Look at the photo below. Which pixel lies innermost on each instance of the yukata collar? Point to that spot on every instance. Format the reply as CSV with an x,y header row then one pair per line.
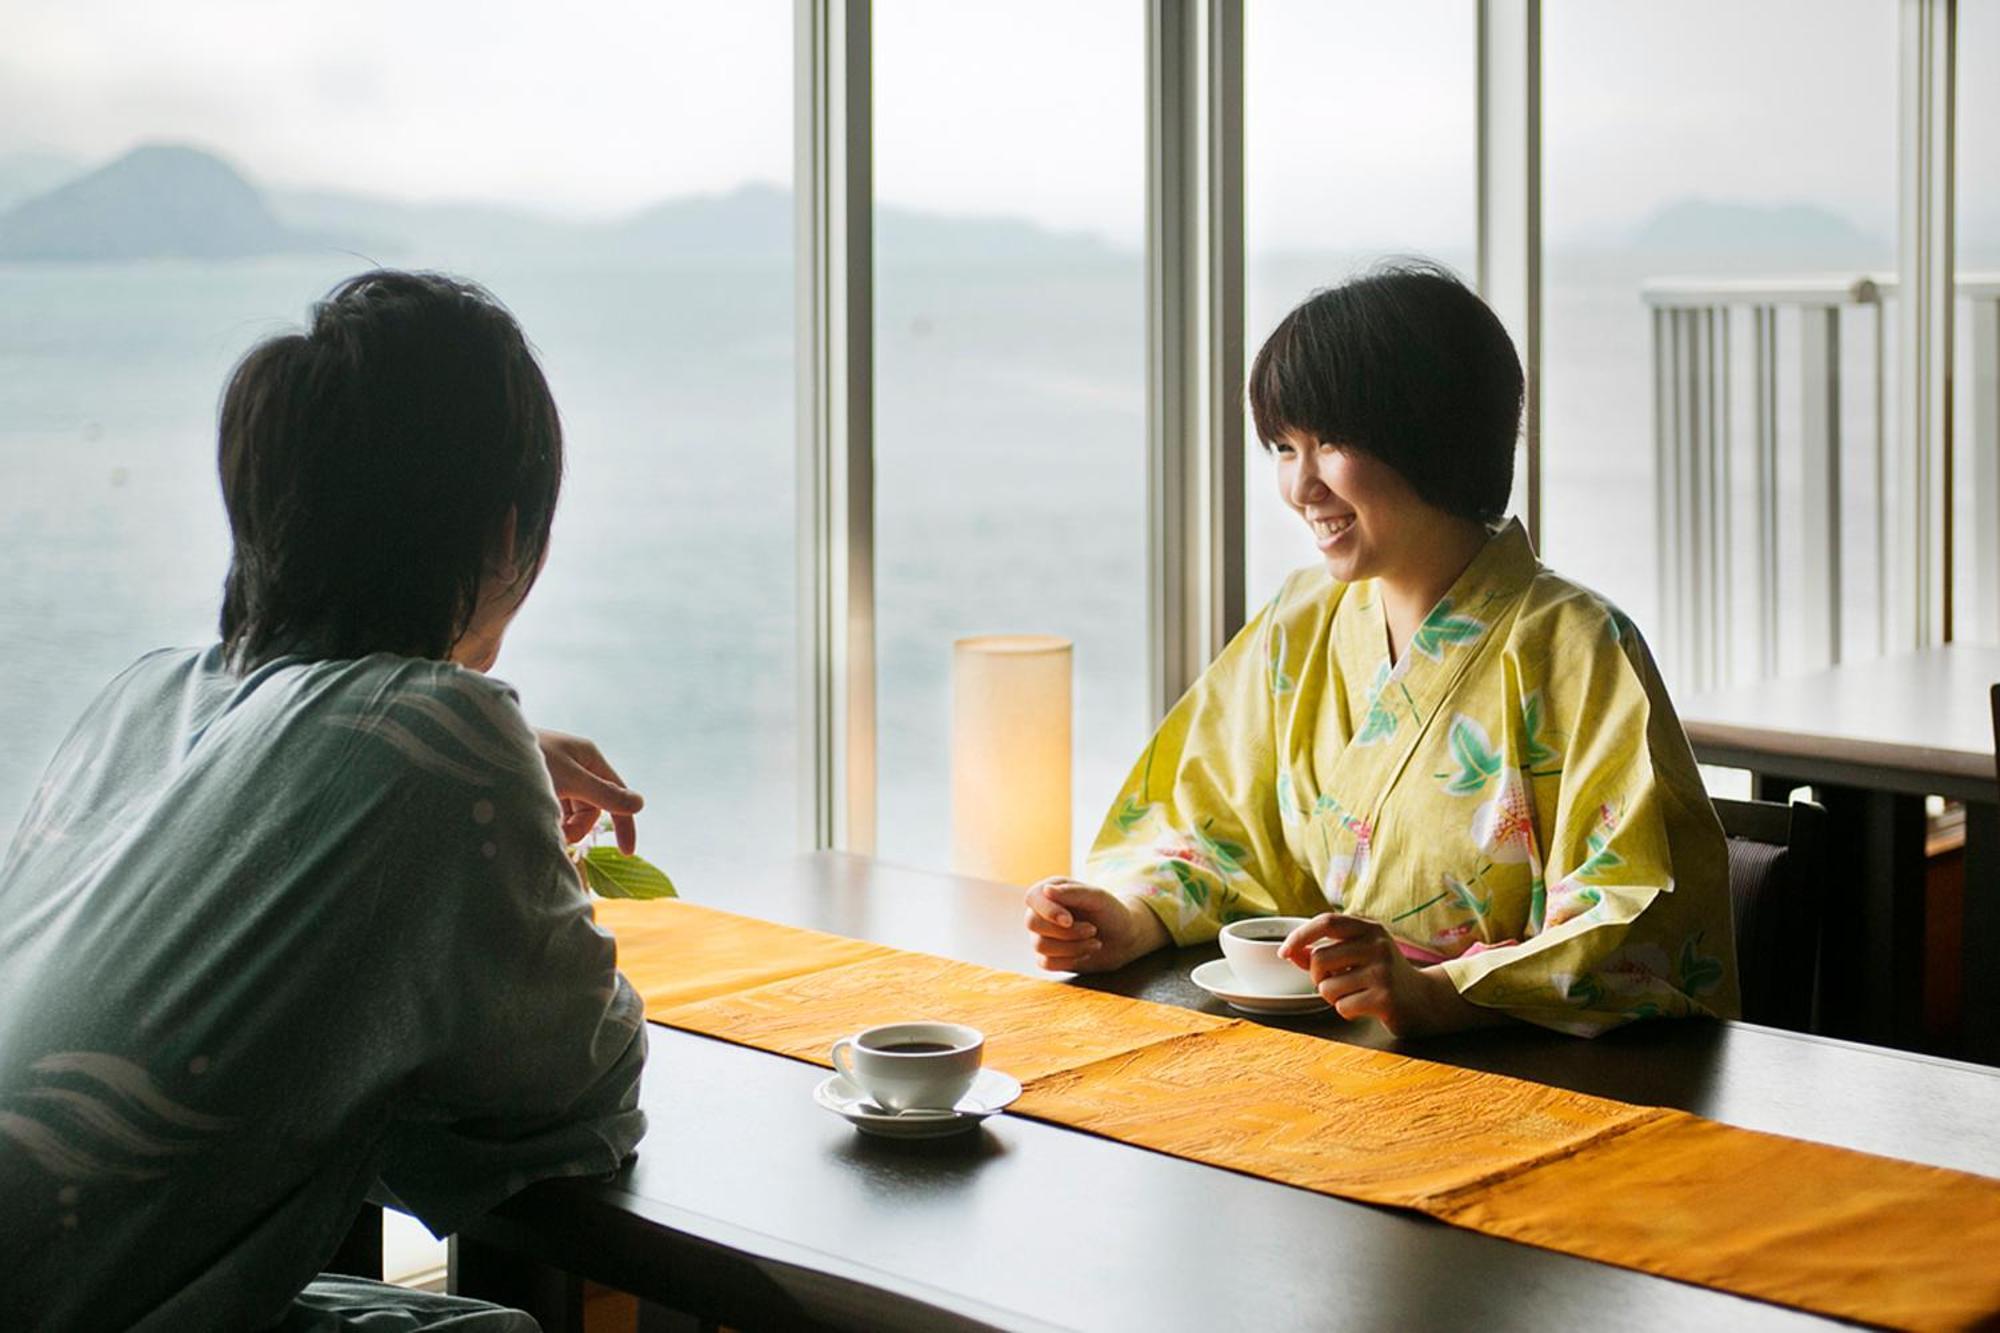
x,y
1503,567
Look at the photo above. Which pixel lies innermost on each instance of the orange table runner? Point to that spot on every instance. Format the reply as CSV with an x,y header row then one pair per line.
x,y
1802,1224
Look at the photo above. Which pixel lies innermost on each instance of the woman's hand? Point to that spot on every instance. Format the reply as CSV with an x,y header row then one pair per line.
x,y
1358,969
587,786
1078,928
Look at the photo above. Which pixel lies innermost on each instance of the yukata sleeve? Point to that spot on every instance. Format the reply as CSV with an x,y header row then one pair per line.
x,y
535,1042
1194,832
1630,917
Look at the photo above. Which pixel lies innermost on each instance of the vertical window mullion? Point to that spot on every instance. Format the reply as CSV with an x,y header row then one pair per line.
x,y
1194,336
1510,208
833,145
1922,612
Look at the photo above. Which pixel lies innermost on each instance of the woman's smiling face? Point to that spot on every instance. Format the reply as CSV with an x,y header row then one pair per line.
x,y
1365,518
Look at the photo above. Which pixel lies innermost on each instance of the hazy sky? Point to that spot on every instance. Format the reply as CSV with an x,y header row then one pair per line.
x,y
1361,113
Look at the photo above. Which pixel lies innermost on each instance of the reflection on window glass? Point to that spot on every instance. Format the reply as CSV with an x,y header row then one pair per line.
x,y
1360,136
619,180
1689,142
1010,425
1977,415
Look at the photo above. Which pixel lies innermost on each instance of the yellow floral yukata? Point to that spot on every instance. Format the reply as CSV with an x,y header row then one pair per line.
x,y
1514,799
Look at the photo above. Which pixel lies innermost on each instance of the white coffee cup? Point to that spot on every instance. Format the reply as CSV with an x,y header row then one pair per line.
x,y
911,1066
1251,946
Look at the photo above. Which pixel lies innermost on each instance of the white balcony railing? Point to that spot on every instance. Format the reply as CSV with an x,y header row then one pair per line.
x,y
1709,593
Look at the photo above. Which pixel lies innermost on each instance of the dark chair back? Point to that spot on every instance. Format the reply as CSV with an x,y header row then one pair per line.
x,y
360,1252
1996,733
1777,879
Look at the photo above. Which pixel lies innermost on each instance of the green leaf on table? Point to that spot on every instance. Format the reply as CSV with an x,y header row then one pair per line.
x,y
612,874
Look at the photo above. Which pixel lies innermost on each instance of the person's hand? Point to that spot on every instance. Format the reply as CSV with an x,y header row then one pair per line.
x,y
1358,969
1079,928
588,786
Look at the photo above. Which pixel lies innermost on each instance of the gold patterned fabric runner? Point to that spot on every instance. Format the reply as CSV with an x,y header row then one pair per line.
x,y
1325,1116
1802,1224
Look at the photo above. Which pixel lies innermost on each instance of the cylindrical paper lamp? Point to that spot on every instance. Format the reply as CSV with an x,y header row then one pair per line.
x,y
1010,757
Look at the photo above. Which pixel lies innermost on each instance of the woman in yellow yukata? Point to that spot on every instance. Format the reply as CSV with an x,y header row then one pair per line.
x,y
1460,765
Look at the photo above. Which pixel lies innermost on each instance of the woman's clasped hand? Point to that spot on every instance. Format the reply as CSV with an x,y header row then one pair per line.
x,y
1357,968
1080,928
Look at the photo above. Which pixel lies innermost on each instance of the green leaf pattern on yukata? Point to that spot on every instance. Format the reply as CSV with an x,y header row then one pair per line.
x,y
1585,990
1534,753
1441,629
1467,897
1617,623
1472,750
1601,857
1192,887
1227,856
1280,682
1132,814
1699,972
1380,724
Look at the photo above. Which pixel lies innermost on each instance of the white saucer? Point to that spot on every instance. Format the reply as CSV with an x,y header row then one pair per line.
x,y
990,1092
1219,979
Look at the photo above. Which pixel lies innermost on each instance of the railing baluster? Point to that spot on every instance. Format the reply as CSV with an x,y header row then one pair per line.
x,y
1984,469
1690,535
1663,475
1765,321
1725,473
1673,538
1882,579
1819,424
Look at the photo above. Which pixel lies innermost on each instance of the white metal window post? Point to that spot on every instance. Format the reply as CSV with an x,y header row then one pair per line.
x,y
1510,209
1194,337
1921,608
833,193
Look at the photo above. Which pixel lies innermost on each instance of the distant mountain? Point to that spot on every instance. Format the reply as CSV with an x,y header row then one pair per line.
x,y
755,222
182,202
157,201
25,175
394,231
902,236
1695,226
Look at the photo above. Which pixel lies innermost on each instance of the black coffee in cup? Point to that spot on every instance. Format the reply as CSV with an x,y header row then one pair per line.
x,y
905,1066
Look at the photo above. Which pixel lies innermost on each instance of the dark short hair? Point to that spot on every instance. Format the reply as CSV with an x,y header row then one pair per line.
x,y
369,465
1406,364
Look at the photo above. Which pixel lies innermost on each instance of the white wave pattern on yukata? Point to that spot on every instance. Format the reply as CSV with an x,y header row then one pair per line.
x,y
415,748
455,726
79,1134
441,739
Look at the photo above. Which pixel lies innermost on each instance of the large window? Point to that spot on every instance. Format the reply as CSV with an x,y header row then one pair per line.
x,y
620,179
1360,135
1693,146
1010,344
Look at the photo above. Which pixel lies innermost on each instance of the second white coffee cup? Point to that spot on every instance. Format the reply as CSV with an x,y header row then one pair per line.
x,y
912,1066
1251,947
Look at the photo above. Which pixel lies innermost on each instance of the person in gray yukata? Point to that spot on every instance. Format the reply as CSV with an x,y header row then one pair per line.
x,y
289,920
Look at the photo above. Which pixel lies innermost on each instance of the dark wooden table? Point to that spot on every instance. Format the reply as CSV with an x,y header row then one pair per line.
x,y
750,1206
1873,738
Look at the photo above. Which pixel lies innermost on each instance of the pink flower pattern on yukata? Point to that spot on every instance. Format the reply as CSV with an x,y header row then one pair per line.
x,y
1504,827
1573,895
1347,868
